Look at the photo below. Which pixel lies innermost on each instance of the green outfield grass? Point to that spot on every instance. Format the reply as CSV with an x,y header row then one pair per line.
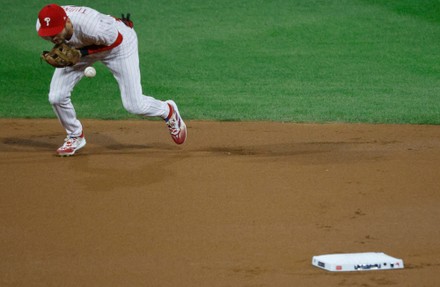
x,y
374,61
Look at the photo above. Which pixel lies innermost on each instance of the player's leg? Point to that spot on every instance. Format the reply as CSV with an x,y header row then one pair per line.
x,y
127,73
61,86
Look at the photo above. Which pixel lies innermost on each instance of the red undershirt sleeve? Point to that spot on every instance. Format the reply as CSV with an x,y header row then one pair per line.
x,y
100,48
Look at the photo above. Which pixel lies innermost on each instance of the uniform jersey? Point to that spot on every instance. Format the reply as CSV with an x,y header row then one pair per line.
x,y
91,27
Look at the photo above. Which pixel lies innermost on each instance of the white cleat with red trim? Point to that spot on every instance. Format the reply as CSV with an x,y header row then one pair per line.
x,y
175,124
71,145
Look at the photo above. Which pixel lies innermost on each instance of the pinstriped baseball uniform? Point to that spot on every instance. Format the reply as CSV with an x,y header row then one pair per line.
x,y
120,56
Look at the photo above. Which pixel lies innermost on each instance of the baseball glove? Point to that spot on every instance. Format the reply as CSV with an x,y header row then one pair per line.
x,y
126,20
61,55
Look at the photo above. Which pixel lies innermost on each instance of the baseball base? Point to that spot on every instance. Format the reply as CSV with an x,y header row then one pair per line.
x,y
357,262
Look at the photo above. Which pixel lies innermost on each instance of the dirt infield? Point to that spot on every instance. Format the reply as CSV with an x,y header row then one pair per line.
x,y
239,204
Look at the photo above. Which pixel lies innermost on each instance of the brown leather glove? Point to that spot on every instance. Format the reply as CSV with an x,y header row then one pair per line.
x,y
61,55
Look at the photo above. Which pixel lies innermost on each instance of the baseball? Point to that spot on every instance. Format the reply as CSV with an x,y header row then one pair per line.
x,y
90,72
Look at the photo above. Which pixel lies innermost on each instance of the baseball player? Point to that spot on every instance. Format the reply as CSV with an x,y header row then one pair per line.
x,y
93,37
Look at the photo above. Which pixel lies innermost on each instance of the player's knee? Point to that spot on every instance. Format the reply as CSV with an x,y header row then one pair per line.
x,y
56,99
133,109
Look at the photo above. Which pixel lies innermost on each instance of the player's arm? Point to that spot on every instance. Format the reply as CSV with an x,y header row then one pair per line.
x,y
105,35
88,50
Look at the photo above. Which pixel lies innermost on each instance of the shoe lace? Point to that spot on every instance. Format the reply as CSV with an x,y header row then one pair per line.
x,y
69,141
173,126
